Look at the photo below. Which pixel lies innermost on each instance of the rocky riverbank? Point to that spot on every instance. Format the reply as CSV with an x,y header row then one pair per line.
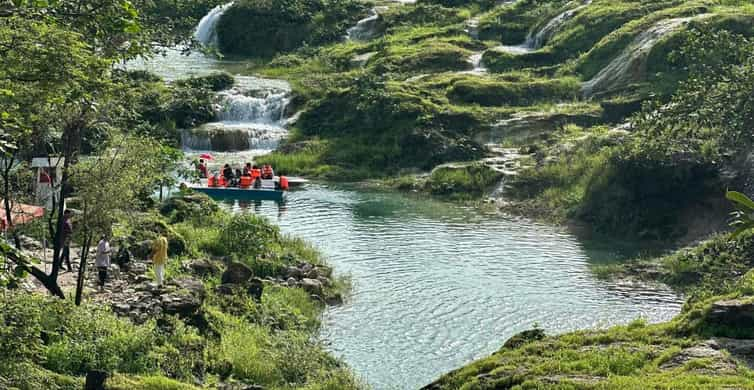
x,y
239,316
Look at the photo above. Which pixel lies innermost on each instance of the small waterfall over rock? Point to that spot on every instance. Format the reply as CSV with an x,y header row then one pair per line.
x,y
536,40
261,106
251,115
631,64
206,31
367,28
477,62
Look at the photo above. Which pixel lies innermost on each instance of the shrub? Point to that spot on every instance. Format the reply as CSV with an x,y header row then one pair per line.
x,y
248,235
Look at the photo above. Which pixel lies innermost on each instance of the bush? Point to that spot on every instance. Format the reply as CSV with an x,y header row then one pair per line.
x,y
249,236
215,82
195,207
95,339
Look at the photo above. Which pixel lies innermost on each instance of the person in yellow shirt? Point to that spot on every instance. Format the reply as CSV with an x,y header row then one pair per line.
x,y
160,258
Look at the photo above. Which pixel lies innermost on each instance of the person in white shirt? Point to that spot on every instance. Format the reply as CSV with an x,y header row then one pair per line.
x,y
102,262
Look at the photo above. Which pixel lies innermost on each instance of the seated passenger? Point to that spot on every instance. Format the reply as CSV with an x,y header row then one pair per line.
x,y
228,173
256,172
267,172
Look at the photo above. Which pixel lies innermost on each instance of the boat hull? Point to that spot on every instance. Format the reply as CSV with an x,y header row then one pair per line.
x,y
242,193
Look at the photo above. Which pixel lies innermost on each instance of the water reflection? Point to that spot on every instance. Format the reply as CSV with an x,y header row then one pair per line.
x,y
437,284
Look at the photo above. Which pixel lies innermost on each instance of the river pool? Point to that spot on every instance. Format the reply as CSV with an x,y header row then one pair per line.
x,y
436,285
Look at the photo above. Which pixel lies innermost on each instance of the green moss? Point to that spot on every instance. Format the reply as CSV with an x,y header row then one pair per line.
x,y
462,182
501,93
430,55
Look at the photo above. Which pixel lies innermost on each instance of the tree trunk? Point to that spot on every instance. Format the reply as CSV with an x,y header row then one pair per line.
x,y
82,268
7,202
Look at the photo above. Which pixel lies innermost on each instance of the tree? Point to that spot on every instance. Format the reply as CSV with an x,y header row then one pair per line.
x,y
108,188
54,83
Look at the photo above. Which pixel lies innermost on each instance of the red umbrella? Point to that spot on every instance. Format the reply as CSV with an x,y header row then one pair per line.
x,y
206,156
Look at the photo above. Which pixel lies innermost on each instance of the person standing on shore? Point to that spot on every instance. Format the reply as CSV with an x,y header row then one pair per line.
x,y
67,236
102,262
160,258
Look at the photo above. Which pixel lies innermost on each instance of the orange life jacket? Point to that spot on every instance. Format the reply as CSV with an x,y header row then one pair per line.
x,y
221,181
283,183
246,181
211,182
255,173
267,172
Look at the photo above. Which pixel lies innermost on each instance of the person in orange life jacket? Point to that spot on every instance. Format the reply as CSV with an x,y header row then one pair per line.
x,y
267,172
256,173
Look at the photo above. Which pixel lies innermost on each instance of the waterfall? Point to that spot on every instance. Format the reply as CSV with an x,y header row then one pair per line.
x,y
536,41
251,116
477,62
225,137
260,107
365,29
631,64
206,31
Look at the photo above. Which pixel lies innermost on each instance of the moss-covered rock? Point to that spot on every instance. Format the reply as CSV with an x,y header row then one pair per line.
x,y
506,93
260,28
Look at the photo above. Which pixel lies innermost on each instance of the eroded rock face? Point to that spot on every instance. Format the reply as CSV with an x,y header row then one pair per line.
x,y
735,313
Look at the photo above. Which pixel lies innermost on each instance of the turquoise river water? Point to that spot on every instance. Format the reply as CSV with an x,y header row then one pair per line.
x,y
436,285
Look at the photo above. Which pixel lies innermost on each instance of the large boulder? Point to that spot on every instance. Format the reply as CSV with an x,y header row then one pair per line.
x,y
203,267
186,300
312,286
237,273
141,249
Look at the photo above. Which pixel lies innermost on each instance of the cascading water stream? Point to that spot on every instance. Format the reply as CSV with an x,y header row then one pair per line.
x,y
365,29
535,41
631,64
251,116
206,31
